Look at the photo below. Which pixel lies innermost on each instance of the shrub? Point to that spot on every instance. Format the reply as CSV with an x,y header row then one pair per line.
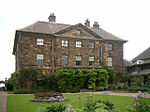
x,y
14,78
27,78
12,83
9,85
113,87
47,82
136,89
72,80
56,108
125,86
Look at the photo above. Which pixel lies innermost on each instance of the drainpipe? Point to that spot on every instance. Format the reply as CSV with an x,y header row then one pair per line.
x,y
52,55
101,52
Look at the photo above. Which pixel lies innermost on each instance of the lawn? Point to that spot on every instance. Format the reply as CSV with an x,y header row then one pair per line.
x,y
21,103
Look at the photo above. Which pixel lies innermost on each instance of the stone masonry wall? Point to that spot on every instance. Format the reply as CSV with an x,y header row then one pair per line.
x,y
72,51
28,49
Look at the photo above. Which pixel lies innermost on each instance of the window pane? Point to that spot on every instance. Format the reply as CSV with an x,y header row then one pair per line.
x,y
40,41
109,61
78,62
64,43
91,44
91,63
91,58
39,62
78,43
40,58
110,47
78,58
64,59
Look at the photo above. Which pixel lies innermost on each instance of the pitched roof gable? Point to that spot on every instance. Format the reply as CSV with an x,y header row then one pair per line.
x,y
78,25
144,55
127,63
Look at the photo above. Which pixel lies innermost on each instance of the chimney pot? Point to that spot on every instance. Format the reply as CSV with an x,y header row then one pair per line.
x,y
95,25
87,23
52,18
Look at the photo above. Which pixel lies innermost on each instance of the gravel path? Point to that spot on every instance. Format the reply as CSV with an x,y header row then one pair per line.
x,y
113,93
3,101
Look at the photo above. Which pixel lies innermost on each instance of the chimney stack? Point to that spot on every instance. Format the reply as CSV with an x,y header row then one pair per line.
x,y
52,18
95,25
87,23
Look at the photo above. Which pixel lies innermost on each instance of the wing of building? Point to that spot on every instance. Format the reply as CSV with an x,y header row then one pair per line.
x,y
51,45
141,63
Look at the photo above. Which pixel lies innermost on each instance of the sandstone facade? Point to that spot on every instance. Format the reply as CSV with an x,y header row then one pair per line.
x,y
26,48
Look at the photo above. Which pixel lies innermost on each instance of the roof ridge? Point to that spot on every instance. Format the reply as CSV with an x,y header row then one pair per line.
x,y
145,51
55,23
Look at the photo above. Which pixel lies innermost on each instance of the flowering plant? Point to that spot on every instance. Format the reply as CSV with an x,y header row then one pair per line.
x,y
139,103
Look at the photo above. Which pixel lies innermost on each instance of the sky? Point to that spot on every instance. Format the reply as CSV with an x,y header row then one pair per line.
x,y
127,19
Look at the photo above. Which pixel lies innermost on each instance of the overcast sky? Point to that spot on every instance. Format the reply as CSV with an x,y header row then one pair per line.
x,y
127,19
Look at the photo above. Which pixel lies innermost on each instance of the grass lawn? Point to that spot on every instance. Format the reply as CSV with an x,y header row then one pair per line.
x,y
21,103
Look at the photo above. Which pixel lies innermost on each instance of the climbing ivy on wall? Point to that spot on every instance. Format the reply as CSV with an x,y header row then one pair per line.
x,y
72,80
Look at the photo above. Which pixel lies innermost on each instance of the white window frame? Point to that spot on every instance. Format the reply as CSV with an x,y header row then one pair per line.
x,y
78,44
110,60
91,58
40,57
64,43
40,41
78,58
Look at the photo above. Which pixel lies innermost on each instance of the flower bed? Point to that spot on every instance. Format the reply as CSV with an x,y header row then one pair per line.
x,y
48,97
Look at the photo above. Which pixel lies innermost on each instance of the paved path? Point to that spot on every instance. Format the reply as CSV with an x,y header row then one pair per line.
x,y
113,93
3,101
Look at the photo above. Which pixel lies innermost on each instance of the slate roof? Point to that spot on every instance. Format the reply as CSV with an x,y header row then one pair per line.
x,y
54,28
127,63
144,55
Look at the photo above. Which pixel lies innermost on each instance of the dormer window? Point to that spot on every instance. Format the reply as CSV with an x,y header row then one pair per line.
x,y
40,41
140,62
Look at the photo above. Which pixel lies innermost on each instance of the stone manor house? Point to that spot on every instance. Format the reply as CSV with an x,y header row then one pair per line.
x,y
50,45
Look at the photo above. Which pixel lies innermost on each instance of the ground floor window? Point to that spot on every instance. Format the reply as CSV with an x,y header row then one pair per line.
x,y
78,60
91,60
109,61
40,59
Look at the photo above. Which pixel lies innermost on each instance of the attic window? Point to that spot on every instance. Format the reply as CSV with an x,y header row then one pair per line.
x,y
78,32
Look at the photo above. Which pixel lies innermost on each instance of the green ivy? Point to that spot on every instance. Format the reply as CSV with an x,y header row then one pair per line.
x,y
72,80
27,78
